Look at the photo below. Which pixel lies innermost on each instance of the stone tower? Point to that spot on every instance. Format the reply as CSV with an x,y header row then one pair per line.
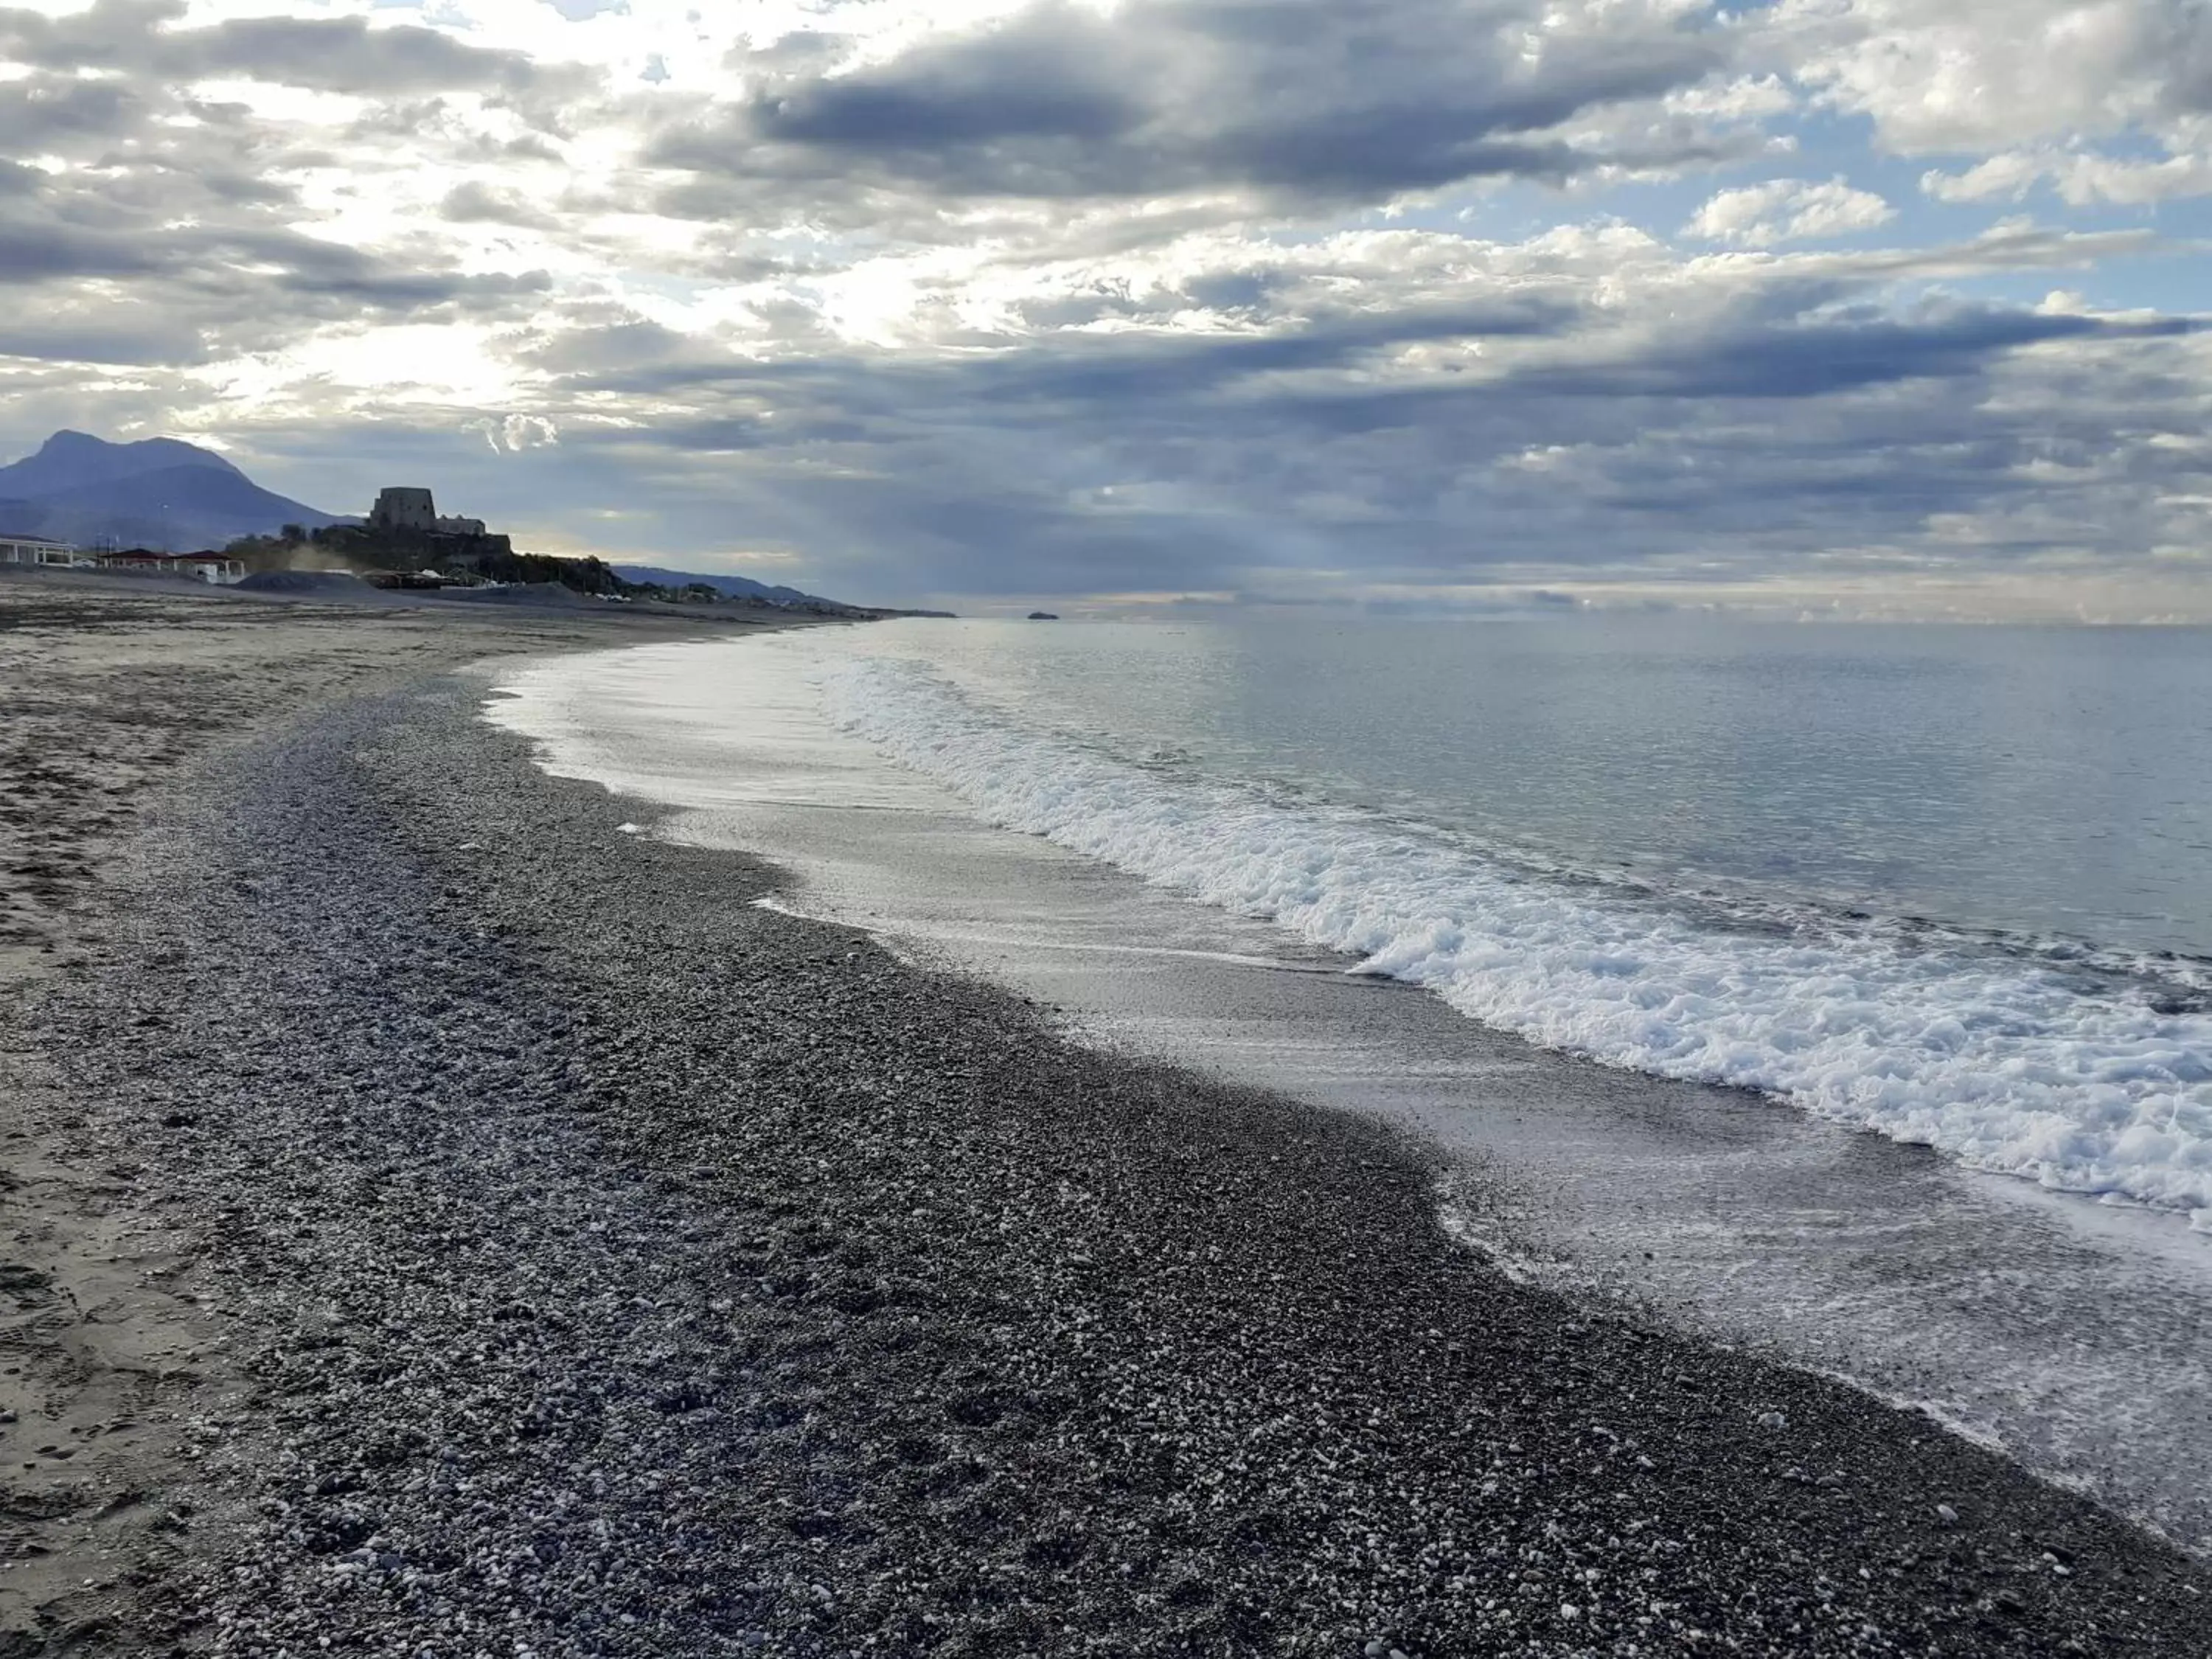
x,y
409,510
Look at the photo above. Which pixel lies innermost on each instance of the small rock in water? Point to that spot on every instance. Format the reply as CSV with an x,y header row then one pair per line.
x,y
1773,1421
1946,1514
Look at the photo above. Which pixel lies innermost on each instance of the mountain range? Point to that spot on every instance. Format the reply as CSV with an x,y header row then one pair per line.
x,y
161,493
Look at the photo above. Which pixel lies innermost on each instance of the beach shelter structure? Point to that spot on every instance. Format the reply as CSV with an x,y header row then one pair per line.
x,y
37,549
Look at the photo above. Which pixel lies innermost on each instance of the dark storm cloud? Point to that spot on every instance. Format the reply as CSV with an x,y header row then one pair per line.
x,y
1052,74
38,251
1803,359
43,112
1294,381
121,343
92,278
1147,376
253,260
1841,354
345,55
365,283
1310,100
598,340
1147,370
2175,54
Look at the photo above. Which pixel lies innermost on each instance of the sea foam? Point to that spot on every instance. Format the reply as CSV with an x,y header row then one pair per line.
x,y
2089,1084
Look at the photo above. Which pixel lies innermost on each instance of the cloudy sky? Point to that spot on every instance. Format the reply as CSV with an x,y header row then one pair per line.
x,y
1888,306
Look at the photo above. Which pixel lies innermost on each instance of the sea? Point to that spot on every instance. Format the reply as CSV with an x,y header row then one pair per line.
x,y
1844,990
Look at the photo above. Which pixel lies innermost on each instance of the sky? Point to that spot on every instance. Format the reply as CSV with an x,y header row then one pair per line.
x,y
1808,307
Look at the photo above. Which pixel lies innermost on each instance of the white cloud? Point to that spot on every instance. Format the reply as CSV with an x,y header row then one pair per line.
x,y
510,434
1985,74
2011,174
1747,98
2033,88
1788,211
2084,176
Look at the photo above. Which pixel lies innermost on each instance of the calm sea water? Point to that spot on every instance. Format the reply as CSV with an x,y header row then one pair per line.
x,y
2041,781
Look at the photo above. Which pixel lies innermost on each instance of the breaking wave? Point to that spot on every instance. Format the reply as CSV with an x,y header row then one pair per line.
x,y
2085,1078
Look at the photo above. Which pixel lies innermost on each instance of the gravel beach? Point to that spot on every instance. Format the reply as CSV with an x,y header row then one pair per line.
x,y
558,1254
116,688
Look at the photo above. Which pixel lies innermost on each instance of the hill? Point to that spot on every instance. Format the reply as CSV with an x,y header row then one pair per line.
x,y
744,588
730,587
159,493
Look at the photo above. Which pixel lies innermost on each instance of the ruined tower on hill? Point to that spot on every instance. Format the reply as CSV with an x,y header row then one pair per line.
x,y
407,511
403,534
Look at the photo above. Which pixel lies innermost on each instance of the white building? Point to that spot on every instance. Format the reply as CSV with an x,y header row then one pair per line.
x,y
37,549
214,568
219,568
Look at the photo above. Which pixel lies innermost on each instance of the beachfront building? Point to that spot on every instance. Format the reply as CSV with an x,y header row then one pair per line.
x,y
219,568
37,549
411,512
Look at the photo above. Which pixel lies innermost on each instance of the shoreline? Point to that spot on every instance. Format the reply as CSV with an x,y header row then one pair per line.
x,y
2076,1336
612,1265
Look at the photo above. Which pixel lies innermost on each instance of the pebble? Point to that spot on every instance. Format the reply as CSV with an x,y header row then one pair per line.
x,y
665,1262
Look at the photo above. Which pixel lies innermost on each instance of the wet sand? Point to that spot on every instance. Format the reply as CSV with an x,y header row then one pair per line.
x,y
583,1260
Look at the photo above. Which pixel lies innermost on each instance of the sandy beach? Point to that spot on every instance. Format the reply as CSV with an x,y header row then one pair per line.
x,y
442,1220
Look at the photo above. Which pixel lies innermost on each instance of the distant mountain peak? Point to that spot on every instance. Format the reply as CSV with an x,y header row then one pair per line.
x,y
79,450
155,492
